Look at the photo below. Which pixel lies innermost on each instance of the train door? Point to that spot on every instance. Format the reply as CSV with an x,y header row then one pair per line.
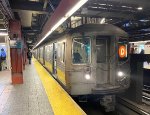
x,y
102,60
38,54
43,55
54,58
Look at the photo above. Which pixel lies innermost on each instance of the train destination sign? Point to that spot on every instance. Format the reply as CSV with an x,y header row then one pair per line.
x,y
122,51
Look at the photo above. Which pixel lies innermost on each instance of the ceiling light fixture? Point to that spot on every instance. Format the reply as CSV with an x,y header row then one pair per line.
x,y
3,29
67,15
3,34
102,21
140,8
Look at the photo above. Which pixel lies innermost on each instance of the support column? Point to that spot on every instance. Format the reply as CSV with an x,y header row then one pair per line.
x,y
24,54
16,52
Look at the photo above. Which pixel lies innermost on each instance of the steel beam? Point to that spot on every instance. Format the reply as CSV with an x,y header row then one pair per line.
x,y
30,6
6,10
45,4
63,7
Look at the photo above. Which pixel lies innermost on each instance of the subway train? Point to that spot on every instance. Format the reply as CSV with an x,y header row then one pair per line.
x,y
91,59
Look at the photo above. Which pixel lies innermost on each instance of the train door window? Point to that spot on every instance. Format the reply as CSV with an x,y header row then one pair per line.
x,y
41,52
38,53
122,49
55,58
50,56
101,48
81,51
61,51
46,53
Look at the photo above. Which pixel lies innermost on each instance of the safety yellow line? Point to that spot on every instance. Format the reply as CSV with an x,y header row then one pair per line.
x,y
61,102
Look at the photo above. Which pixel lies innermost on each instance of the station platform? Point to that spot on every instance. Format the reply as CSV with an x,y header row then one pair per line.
x,y
40,94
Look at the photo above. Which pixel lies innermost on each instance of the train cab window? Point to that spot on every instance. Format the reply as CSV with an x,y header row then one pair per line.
x,y
81,51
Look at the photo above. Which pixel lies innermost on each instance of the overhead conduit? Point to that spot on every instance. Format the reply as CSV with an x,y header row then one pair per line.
x,y
6,9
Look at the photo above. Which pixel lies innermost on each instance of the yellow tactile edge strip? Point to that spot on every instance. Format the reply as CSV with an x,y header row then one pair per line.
x,y
61,102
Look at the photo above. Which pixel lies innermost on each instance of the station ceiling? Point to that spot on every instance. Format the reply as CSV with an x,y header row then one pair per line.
x,y
131,15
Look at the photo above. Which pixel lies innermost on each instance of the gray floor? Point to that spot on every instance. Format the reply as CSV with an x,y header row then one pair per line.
x,y
25,99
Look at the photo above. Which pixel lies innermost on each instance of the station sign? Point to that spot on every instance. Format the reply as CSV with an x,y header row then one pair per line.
x,y
16,44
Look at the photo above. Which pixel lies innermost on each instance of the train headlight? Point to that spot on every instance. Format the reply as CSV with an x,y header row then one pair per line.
x,y
87,76
120,74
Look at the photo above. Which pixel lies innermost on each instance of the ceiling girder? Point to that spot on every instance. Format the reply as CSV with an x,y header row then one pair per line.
x,y
30,6
30,30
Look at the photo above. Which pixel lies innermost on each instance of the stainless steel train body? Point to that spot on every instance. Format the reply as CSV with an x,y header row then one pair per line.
x,y
88,59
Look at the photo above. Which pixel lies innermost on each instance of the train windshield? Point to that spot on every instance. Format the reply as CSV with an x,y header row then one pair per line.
x,y
123,49
81,51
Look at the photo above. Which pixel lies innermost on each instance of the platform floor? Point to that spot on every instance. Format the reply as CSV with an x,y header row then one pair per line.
x,y
24,99
40,94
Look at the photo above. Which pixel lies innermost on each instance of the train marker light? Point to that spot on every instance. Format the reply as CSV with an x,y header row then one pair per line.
x,y
66,16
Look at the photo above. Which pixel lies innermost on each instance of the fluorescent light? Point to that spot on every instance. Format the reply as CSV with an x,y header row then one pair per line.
x,y
102,21
67,15
93,7
103,4
140,8
58,24
53,28
3,34
75,8
3,29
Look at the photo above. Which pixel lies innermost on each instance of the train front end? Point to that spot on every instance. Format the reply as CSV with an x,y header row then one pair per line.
x,y
112,65
100,63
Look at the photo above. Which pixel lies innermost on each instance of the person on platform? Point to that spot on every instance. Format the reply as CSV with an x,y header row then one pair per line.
x,y
3,59
142,51
29,55
3,54
0,64
132,48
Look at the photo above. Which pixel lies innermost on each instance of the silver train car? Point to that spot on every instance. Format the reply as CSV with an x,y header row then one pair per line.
x,y
90,59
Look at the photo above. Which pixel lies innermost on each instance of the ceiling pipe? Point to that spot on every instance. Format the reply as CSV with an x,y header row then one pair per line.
x,y
47,16
45,5
137,35
60,15
6,9
50,3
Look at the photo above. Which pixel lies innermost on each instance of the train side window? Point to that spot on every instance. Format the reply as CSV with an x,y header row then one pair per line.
x,y
81,51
